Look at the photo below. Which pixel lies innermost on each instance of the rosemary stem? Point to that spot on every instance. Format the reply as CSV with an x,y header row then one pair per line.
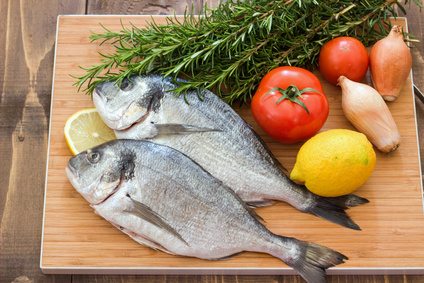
x,y
231,48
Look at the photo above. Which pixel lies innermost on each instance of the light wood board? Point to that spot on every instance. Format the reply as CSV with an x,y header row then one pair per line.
x,y
75,240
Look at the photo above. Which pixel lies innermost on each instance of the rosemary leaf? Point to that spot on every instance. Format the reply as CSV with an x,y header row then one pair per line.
x,y
231,48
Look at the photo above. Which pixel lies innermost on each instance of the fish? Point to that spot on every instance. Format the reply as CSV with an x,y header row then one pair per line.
x,y
210,132
162,199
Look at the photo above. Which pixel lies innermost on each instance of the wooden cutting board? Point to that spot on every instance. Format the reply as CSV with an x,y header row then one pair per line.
x,y
75,240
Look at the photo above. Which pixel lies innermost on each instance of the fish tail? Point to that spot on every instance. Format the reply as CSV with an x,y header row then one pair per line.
x,y
308,259
333,209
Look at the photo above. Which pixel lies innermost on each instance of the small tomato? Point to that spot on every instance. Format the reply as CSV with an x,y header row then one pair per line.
x,y
343,56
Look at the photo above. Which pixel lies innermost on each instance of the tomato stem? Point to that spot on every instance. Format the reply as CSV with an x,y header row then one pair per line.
x,y
293,93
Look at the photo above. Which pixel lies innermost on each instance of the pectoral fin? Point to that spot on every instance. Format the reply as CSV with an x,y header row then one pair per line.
x,y
141,239
259,203
225,257
146,213
181,129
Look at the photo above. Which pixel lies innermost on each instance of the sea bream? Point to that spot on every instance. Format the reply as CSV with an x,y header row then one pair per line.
x,y
163,199
211,133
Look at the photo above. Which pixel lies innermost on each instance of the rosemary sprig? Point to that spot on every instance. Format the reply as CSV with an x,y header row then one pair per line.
x,y
231,48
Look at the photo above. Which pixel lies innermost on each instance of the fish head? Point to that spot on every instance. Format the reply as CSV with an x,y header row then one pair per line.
x,y
97,173
129,103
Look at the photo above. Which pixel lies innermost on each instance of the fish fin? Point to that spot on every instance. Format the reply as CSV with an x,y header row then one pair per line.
x,y
141,239
259,203
146,213
149,243
311,260
334,211
347,201
181,129
253,213
225,257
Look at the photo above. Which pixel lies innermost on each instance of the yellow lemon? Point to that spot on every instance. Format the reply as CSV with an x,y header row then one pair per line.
x,y
85,129
334,163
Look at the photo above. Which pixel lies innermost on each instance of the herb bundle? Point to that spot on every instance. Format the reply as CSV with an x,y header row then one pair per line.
x,y
231,48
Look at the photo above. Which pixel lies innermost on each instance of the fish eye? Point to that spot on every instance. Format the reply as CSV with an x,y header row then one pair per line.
x,y
93,157
126,85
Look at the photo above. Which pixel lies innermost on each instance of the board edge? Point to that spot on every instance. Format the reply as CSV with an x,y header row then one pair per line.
x,y
411,74
227,271
418,143
48,142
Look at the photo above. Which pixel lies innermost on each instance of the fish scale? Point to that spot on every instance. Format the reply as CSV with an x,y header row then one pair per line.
x,y
161,198
212,134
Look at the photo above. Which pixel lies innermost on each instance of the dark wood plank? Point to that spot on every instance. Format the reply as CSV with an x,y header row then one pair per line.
x,y
185,279
143,7
26,64
244,279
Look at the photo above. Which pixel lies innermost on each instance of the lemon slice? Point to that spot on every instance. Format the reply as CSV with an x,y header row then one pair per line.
x,y
85,129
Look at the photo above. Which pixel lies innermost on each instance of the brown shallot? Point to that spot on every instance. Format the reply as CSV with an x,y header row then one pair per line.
x,y
390,64
364,107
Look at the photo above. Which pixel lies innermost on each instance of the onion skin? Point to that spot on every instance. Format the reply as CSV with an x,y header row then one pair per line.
x,y
364,107
390,64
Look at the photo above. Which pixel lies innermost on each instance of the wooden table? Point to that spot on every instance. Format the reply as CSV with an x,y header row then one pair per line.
x,y
26,64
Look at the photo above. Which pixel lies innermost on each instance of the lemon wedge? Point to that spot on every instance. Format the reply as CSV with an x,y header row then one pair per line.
x,y
85,129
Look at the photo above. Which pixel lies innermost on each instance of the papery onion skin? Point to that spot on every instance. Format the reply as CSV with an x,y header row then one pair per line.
x,y
390,64
364,107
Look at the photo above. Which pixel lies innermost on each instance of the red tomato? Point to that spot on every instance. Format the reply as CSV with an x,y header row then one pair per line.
x,y
345,56
283,119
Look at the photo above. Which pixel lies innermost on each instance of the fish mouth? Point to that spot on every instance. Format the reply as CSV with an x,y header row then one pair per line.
x,y
72,172
98,96
73,176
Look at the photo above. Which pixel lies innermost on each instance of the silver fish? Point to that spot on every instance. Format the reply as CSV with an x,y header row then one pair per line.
x,y
163,199
211,133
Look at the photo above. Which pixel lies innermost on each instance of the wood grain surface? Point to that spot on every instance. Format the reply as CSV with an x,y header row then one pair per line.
x,y
25,81
76,239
